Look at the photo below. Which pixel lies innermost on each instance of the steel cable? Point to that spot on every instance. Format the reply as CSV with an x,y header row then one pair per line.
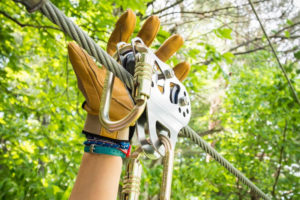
x,y
70,28
190,133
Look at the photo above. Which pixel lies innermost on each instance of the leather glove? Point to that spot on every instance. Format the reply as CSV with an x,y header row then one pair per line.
x,y
90,77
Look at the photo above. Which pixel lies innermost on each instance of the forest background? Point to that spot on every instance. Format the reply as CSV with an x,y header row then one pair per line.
x,y
242,104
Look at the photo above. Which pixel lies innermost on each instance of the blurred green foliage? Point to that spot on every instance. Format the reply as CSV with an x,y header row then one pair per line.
x,y
41,116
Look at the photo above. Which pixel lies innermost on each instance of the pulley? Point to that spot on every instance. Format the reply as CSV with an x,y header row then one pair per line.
x,y
162,108
162,105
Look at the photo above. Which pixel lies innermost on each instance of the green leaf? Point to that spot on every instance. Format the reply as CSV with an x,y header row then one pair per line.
x,y
289,22
203,68
218,70
228,56
224,33
297,55
162,35
287,34
193,53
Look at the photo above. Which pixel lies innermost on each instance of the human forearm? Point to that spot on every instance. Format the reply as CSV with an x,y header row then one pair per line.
x,y
98,177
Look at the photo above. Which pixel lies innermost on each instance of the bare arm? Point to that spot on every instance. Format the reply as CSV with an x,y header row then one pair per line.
x,y
98,177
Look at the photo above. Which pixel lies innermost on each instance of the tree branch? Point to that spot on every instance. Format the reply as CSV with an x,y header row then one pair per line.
x,y
276,35
27,25
280,160
164,9
209,11
209,132
251,50
275,55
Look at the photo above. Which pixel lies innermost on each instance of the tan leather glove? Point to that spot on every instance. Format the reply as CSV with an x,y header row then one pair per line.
x,y
90,77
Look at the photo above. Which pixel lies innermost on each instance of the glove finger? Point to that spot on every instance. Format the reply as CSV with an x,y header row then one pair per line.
x,y
169,47
90,79
149,30
122,32
86,72
182,70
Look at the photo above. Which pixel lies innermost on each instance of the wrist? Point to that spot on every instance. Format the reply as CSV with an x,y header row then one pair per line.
x,y
96,145
96,149
93,126
101,141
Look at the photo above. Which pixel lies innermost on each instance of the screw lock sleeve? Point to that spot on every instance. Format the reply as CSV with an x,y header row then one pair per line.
x,y
142,76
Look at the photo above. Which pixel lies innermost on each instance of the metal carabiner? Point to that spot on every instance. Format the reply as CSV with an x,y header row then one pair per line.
x,y
104,118
131,181
141,92
165,191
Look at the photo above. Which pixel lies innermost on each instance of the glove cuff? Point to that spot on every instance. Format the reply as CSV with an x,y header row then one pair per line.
x,y
93,126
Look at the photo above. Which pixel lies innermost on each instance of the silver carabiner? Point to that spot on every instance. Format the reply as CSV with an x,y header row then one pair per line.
x,y
131,181
165,191
141,92
104,118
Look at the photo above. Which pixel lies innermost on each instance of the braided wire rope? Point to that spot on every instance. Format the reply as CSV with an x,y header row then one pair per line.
x,y
81,37
190,133
70,28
